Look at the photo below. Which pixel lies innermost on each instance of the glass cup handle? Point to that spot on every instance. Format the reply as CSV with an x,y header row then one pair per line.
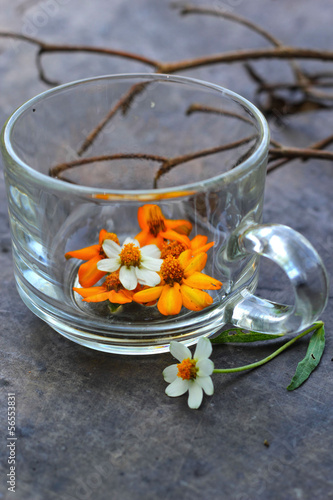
x,y
303,266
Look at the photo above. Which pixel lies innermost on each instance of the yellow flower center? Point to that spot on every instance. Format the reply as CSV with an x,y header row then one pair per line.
x,y
112,282
155,221
111,236
187,369
171,270
130,255
108,236
174,248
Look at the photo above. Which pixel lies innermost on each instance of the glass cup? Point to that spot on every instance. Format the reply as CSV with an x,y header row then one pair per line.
x,y
94,154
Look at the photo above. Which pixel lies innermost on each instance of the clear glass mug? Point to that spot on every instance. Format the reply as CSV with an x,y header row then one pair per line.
x,y
87,155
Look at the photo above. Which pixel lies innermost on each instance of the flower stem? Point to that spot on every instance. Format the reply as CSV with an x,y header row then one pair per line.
x,y
316,325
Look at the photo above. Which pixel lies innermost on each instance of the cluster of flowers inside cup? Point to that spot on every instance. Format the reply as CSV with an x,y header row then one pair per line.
x,y
160,265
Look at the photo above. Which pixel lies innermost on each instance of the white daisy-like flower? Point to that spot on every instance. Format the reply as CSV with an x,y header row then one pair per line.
x,y
135,264
192,375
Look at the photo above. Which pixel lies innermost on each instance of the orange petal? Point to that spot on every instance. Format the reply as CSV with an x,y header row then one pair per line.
x,y
86,253
193,299
148,295
101,297
145,238
180,226
89,275
102,234
196,264
120,297
185,257
198,241
204,248
148,212
143,217
170,234
202,281
88,292
170,302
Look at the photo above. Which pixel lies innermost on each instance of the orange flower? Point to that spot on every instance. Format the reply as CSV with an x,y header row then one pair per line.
x,y
182,285
156,228
89,275
111,290
198,245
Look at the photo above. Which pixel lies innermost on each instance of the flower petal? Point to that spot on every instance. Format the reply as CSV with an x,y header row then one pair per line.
x,y
195,395
143,238
170,234
111,248
89,274
86,253
90,291
180,226
202,281
148,295
204,248
198,241
207,385
131,240
146,277
170,302
127,277
177,387
151,263
101,236
151,251
121,297
204,349
170,373
196,264
185,257
195,299
109,265
100,297
179,351
147,213
205,367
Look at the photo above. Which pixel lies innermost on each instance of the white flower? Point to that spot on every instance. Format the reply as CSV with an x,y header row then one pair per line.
x,y
192,375
137,265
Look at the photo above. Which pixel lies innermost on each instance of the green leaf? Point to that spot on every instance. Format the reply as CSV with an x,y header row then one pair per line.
x,y
238,335
114,308
311,360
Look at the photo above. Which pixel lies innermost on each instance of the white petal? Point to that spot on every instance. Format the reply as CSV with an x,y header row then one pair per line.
x,y
170,373
179,351
195,395
111,248
109,265
204,349
131,240
207,384
151,263
127,277
145,277
177,388
151,251
205,367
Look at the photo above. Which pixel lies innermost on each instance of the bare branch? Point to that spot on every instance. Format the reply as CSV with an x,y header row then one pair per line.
x,y
123,103
245,55
305,153
62,167
173,162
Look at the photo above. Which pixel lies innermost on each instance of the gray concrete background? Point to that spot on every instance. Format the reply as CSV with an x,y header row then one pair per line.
x,y
96,426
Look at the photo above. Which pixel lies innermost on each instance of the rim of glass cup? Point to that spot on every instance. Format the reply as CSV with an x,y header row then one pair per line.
x,y
257,156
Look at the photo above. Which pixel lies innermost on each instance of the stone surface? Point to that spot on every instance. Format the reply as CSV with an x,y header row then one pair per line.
x,y
92,425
